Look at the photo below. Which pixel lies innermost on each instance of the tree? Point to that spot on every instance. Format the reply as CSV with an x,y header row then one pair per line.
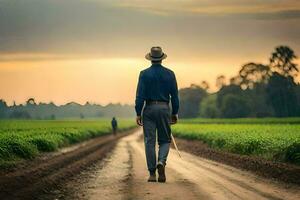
x,y
52,117
297,90
253,73
20,115
220,81
204,85
3,108
234,106
229,89
30,101
209,107
281,93
81,116
190,99
236,80
281,61
257,100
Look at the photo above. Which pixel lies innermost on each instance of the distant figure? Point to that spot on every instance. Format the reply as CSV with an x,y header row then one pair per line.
x,y
157,86
114,125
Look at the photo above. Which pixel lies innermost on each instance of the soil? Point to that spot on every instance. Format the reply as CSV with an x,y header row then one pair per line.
x,y
276,170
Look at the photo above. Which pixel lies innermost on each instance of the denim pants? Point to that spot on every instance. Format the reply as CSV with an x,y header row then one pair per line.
x,y
156,118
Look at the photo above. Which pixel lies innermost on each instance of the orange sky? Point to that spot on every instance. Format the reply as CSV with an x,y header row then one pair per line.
x,y
100,81
93,50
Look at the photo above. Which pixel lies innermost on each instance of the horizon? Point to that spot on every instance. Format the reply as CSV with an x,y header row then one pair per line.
x,y
67,103
51,54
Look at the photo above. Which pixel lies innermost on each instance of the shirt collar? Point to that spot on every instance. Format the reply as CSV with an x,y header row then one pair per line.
x,y
156,65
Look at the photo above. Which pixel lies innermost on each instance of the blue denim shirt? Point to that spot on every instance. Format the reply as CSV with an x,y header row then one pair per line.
x,y
157,83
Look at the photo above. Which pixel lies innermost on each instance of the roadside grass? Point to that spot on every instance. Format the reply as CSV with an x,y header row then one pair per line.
x,y
25,139
276,142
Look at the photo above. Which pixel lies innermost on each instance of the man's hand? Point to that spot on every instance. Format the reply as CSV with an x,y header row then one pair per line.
x,y
139,121
174,119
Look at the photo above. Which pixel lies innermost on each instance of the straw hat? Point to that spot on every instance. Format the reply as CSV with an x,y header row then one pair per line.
x,y
156,54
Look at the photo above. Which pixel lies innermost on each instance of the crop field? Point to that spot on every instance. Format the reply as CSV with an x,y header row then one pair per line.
x,y
25,139
273,141
294,120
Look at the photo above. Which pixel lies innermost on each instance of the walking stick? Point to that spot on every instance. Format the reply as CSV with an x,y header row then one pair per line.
x,y
175,145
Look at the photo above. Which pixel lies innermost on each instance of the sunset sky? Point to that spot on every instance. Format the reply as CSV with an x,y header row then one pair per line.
x,y
93,50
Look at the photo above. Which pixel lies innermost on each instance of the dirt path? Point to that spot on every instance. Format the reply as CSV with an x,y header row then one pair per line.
x,y
123,176
195,178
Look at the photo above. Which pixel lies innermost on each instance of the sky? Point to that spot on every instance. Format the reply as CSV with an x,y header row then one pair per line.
x,y
93,50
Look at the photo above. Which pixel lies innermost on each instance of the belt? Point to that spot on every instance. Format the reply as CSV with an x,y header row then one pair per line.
x,y
157,102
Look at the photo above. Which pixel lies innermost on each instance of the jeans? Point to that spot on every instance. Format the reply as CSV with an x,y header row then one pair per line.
x,y
156,118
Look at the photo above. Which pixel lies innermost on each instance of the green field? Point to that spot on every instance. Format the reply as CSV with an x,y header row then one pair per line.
x,y
294,120
264,138
26,139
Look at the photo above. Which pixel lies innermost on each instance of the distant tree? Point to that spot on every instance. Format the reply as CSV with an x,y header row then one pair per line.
x,y
99,114
190,99
3,104
229,89
81,116
236,80
51,104
209,107
220,81
20,115
234,106
52,117
253,73
3,108
281,61
204,85
297,89
30,101
257,100
281,93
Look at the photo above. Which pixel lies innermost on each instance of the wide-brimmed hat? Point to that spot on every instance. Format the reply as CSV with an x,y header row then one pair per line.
x,y
156,54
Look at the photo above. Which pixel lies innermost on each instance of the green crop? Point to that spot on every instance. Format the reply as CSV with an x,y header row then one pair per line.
x,y
279,142
25,139
292,120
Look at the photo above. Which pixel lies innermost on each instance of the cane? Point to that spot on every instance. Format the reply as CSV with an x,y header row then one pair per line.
x,y
175,145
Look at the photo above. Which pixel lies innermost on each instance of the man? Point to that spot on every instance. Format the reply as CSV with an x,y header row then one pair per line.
x,y
156,87
114,125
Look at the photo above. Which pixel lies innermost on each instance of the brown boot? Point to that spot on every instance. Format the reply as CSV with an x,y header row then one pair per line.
x,y
152,177
161,172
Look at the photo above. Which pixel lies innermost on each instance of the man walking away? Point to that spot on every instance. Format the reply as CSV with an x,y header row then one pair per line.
x,y
114,125
156,87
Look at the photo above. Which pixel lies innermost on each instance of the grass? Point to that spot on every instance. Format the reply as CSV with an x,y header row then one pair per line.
x,y
292,120
25,139
273,141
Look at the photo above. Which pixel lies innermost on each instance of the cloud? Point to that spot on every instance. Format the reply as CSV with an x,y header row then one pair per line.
x,y
127,28
267,9
275,15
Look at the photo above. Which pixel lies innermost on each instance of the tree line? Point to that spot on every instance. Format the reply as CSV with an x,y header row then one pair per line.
x,y
50,111
258,90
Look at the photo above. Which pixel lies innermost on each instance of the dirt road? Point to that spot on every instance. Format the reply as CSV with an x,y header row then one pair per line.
x,y
123,176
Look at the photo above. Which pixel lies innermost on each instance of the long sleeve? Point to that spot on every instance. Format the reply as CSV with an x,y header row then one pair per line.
x,y
174,96
140,96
